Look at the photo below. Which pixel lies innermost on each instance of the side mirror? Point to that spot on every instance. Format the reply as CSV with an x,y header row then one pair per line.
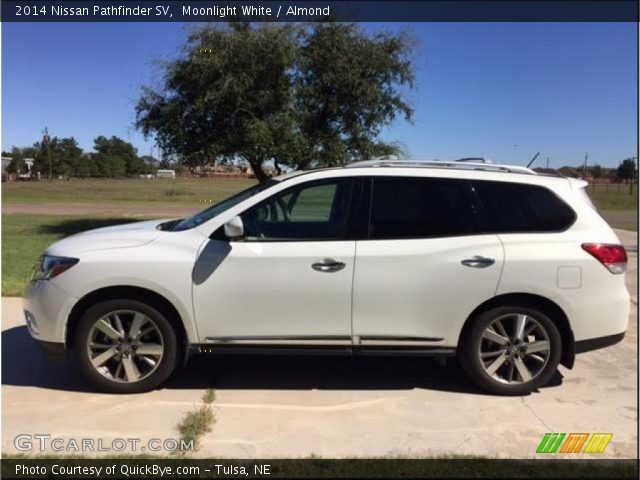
x,y
234,228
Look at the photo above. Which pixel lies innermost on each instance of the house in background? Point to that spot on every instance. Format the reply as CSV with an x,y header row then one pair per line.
x,y
5,163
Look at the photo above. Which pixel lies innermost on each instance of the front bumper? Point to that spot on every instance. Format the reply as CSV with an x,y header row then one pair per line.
x,y
46,309
53,351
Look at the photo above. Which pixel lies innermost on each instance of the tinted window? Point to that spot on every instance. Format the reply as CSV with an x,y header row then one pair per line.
x,y
512,207
411,207
311,211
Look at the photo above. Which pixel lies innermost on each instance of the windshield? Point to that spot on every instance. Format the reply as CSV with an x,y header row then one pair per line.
x,y
218,208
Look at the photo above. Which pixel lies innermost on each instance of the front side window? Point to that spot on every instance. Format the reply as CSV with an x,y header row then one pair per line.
x,y
514,207
418,207
215,210
316,210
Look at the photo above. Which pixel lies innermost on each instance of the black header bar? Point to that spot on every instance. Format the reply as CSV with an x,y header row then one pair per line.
x,y
297,11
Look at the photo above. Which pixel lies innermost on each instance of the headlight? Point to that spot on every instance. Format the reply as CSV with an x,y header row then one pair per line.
x,y
49,267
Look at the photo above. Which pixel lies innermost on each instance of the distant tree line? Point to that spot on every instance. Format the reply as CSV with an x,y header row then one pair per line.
x,y
625,171
112,157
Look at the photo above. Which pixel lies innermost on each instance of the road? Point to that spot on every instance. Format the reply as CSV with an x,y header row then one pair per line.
x,y
330,407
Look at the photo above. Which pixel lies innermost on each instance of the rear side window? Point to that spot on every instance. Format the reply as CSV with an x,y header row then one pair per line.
x,y
512,208
415,207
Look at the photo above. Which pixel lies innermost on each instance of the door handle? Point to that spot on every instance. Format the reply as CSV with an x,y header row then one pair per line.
x,y
328,265
478,261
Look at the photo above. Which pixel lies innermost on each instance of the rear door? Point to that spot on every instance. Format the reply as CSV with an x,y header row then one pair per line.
x,y
425,266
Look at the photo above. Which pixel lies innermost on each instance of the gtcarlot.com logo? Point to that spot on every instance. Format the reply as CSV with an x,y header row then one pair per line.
x,y
574,443
45,442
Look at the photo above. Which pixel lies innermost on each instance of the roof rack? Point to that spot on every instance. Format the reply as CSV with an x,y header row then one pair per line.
x,y
455,165
474,160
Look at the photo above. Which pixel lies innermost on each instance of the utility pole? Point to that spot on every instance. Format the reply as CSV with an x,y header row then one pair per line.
x,y
47,140
584,169
547,162
633,159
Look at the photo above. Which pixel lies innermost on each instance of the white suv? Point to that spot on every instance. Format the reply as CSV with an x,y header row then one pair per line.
x,y
512,271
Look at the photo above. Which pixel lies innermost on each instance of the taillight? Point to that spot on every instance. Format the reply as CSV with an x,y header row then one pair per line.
x,y
614,257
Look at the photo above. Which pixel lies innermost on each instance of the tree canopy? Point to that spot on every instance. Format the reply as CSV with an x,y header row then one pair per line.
x,y
627,169
296,95
113,157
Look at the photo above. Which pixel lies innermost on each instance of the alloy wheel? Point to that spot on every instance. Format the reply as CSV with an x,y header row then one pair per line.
x,y
125,346
514,348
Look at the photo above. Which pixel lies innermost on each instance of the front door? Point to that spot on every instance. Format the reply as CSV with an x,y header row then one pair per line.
x,y
289,280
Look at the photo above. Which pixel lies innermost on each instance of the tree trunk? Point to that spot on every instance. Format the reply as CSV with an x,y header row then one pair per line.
x,y
256,166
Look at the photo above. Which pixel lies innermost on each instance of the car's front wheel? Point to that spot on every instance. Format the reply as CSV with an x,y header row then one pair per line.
x,y
511,350
125,346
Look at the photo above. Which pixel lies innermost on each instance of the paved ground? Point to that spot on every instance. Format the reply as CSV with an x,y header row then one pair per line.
x,y
332,407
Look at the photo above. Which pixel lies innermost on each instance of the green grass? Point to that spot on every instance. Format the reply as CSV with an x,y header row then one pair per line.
x,y
132,191
199,421
614,197
616,205
195,424
209,396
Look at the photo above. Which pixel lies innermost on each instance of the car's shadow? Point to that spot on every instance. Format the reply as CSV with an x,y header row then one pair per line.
x,y
23,364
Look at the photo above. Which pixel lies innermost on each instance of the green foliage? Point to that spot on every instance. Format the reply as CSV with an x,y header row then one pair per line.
x,y
64,153
113,158
209,396
109,165
118,157
196,423
596,171
627,169
348,88
300,96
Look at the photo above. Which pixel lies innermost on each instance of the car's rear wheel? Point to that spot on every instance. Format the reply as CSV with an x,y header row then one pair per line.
x,y
125,346
511,350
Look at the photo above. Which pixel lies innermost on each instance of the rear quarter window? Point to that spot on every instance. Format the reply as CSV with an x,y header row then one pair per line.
x,y
516,207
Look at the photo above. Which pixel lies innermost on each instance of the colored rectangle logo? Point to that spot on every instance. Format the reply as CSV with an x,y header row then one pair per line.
x,y
559,442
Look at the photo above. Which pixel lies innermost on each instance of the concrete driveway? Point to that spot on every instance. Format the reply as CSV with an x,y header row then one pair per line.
x,y
331,407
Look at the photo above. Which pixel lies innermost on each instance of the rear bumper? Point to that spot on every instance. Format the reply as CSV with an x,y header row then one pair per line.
x,y
583,346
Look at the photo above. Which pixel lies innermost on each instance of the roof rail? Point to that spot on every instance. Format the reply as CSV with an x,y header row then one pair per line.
x,y
466,165
474,160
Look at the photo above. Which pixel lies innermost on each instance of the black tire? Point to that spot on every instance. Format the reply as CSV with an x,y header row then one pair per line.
x,y
156,377
475,367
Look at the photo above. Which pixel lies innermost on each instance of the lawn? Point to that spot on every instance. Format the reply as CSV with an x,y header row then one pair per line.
x,y
133,191
616,205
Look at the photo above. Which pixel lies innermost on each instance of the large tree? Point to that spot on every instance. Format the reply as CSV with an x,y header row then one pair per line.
x,y
294,95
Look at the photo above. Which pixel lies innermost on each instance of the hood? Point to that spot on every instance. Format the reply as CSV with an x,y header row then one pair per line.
x,y
118,236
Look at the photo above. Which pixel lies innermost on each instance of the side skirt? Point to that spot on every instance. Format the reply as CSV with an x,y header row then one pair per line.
x,y
435,351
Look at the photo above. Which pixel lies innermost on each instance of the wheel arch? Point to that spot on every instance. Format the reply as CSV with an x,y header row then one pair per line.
x,y
128,292
545,305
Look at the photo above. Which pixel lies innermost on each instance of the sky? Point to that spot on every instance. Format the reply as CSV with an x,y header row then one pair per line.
x,y
502,91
